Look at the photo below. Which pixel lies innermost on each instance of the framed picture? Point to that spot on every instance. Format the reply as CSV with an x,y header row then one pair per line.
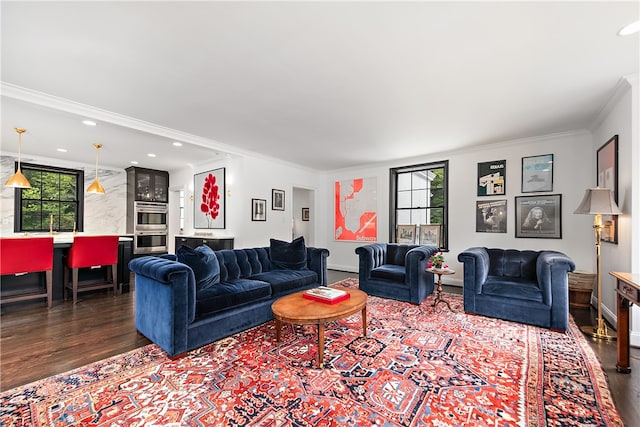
x,y
406,234
355,205
277,200
491,216
258,210
429,234
305,214
209,199
537,173
492,178
539,216
607,168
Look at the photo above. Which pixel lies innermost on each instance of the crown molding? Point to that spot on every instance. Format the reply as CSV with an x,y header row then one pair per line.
x,y
56,103
624,85
62,104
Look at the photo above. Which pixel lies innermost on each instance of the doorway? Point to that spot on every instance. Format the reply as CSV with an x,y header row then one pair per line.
x,y
303,215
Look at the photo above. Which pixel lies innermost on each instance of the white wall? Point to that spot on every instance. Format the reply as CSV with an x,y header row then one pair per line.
x,y
249,178
573,173
620,117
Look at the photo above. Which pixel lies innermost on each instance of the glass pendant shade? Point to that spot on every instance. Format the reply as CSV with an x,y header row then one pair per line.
x,y
18,180
95,186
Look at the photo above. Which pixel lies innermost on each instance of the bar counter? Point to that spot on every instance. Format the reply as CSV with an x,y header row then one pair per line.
x,y
61,244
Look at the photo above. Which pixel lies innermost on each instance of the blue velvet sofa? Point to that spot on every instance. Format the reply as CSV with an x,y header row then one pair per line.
x,y
522,286
181,308
395,271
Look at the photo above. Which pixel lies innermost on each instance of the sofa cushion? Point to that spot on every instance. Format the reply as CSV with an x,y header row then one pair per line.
x,y
230,294
397,253
288,256
203,262
513,263
397,273
286,280
512,287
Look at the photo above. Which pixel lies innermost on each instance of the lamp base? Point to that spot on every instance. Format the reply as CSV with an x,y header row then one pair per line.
x,y
600,332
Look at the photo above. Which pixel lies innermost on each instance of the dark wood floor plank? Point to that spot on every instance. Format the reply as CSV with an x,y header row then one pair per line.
x,y
36,343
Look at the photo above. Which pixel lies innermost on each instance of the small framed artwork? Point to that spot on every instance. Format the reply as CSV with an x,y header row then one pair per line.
x,y
305,214
277,200
429,235
607,169
537,173
491,216
406,234
539,216
258,210
492,178
209,199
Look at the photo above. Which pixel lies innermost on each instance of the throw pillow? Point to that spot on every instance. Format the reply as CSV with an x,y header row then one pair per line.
x,y
288,256
203,262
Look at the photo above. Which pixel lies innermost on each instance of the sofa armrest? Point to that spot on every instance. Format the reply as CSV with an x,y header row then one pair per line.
x,y
317,261
552,268
416,261
419,282
476,268
370,257
164,301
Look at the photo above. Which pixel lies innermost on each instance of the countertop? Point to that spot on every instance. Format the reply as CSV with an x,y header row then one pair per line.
x,y
62,237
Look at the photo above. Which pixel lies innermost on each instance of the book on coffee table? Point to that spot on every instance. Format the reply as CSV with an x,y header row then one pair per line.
x,y
326,295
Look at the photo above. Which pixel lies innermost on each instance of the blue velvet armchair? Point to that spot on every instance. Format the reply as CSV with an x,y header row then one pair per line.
x,y
395,271
522,286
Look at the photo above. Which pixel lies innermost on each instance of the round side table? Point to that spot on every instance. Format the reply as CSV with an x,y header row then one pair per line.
x,y
440,272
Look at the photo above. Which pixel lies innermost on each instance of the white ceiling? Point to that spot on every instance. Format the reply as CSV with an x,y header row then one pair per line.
x,y
326,85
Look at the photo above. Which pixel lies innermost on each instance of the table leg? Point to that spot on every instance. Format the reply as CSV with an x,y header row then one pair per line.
x,y
321,344
364,322
439,298
622,365
278,326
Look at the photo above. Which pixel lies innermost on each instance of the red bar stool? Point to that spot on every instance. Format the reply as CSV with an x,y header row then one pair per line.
x,y
92,252
22,255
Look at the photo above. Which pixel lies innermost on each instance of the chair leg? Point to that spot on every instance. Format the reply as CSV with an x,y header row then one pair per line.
x,y
114,278
49,279
65,282
74,279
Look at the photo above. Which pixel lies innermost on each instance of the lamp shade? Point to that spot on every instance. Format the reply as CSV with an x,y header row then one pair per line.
x,y
598,201
18,180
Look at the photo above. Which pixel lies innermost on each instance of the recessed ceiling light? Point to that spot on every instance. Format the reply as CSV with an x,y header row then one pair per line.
x,y
62,150
177,144
89,122
151,155
632,28
133,162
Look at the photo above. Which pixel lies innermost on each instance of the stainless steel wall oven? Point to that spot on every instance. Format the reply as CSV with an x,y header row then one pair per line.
x,y
150,227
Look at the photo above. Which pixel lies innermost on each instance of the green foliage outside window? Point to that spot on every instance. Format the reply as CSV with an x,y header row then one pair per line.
x,y
54,193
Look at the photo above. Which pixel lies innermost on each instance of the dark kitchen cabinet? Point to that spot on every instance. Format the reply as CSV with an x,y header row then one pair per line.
x,y
213,242
147,185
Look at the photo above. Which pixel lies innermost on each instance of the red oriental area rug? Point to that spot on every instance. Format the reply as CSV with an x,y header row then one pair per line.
x,y
416,367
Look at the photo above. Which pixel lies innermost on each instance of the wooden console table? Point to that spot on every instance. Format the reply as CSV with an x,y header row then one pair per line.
x,y
628,290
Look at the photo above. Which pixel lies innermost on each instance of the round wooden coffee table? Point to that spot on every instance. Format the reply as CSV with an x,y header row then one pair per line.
x,y
297,310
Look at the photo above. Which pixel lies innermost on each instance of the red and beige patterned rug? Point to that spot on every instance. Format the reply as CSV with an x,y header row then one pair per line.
x,y
415,368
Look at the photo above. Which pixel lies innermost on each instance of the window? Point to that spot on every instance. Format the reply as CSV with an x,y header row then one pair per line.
x,y
419,196
54,199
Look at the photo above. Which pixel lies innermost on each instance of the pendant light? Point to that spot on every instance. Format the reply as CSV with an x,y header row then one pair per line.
x,y
95,186
18,180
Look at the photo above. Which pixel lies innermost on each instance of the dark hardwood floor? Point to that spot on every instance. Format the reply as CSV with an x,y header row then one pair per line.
x,y
36,343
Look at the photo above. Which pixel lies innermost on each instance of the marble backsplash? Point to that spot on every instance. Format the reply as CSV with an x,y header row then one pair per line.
x,y
103,213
